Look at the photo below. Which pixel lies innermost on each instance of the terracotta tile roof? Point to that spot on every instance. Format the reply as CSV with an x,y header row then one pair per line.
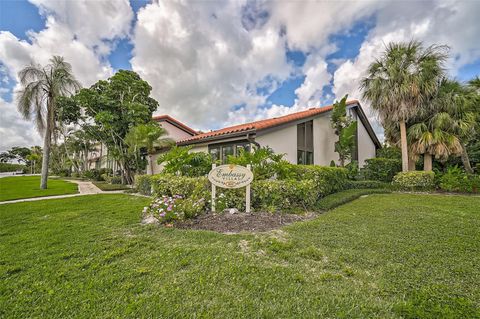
x,y
260,125
175,122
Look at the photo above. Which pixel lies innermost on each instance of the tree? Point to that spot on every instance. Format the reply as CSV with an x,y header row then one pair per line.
x,y
179,160
345,128
111,109
37,100
149,136
401,81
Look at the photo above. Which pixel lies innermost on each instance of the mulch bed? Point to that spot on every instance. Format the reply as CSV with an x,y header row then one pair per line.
x,y
235,223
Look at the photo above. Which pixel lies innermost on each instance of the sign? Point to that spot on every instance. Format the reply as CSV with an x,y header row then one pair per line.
x,y
230,176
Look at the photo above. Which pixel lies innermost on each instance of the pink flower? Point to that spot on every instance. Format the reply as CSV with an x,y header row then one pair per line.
x,y
169,208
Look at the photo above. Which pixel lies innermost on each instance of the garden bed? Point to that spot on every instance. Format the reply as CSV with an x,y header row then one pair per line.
x,y
242,222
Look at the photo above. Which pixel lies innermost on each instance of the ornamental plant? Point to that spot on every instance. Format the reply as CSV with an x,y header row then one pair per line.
x,y
414,180
169,209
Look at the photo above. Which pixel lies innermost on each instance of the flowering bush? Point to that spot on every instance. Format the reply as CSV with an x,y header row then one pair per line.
x,y
168,209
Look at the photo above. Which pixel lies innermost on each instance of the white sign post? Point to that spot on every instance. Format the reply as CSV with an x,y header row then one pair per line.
x,y
231,176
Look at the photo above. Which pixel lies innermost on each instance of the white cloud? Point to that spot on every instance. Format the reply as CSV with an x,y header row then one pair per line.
x,y
201,61
454,23
83,32
15,131
214,63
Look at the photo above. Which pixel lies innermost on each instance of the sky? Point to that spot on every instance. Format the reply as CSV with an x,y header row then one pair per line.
x,y
218,63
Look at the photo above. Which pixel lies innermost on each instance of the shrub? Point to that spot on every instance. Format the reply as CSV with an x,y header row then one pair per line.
x,y
414,180
116,180
352,170
93,174
9,167
169,185
143,184
284,195
327,180
179,160
264,162
381,169
391,152
457,180
367,184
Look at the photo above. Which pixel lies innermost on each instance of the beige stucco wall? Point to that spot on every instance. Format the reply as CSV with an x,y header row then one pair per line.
x,y
324,139
282,141
173,132
200,148
366,147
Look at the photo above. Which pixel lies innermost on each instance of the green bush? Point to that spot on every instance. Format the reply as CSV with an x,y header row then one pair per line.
x,y
343,197
179,160
170,185
367,184
381,169
143,184
327,179
457,180
264,162
352,170
284,195
116,180
414,180
9,167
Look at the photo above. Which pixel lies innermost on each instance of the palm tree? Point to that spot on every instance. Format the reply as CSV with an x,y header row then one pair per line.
x,y
400,81
37,99
431,138
455,105
149,136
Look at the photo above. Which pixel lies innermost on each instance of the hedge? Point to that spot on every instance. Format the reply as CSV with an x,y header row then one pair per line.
x,y
9,167
368,184
343,197
381,169
327,180
284,195
414,180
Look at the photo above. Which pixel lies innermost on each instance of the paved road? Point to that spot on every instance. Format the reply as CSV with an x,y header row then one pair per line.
x,y
84,188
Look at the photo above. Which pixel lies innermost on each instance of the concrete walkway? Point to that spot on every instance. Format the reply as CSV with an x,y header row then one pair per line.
x,y
84,188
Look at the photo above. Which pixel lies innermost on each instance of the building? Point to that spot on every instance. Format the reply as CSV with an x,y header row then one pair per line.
x,y
304,137
176,130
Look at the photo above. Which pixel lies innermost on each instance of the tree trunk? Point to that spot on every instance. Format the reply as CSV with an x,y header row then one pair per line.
x,y
466,160
403,141
411,163
427,162
47,142
150,159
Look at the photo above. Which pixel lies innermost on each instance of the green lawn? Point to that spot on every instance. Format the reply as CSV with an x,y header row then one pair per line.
x,y
383,256
29,186
106,187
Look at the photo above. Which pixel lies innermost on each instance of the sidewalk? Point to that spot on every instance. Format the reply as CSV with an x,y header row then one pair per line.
x,y
84,188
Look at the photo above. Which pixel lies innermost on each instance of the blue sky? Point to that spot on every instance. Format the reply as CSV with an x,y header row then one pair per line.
x,y
216,63
19,17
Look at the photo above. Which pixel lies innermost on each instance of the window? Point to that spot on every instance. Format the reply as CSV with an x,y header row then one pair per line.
x,y
221,152
305,143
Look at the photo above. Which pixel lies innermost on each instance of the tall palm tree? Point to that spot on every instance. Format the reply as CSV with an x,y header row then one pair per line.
x,y
37,99
400,81
149,136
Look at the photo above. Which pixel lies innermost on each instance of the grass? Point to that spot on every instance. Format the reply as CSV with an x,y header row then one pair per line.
x,y
104,186
19,187
383,256
343,197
